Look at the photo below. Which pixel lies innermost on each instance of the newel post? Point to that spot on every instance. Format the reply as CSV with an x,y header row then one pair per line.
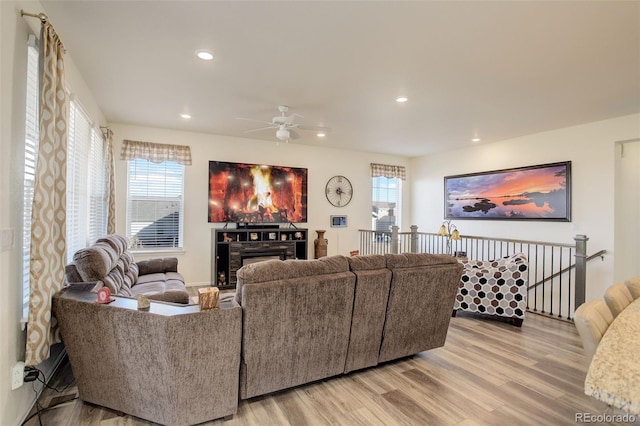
x,y
581,269
413,244
394,239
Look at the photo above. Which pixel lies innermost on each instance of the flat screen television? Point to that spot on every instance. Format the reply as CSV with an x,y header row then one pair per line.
x,y
256,193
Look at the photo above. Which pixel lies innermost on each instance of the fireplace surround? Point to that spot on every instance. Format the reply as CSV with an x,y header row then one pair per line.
x,y
234,248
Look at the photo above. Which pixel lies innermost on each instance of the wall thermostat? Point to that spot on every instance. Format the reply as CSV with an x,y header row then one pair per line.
x,y
338,221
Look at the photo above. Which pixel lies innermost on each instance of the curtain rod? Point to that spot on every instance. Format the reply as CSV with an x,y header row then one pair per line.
x,y
43,18
106,131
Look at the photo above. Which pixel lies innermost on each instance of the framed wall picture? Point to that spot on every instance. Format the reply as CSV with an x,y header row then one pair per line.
x,y
541,192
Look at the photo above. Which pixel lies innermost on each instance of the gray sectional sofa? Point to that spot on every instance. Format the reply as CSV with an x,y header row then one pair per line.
x,y
312,319
289,323
173,364
109,263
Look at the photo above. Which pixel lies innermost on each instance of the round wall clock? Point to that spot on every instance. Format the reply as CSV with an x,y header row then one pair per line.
x,y
339,191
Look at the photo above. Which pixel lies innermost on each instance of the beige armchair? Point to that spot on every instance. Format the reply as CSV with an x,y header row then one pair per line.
x,y
592,320
617,297
633,285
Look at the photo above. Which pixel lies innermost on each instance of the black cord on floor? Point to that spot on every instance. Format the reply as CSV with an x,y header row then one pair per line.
x,y
43,410
39,408
51,387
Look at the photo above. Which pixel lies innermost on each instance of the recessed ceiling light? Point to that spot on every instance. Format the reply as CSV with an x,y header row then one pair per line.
x,y
185,116
322,135
475,140
401,99
205,55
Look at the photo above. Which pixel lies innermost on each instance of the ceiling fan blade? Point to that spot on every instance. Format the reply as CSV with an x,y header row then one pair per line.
x,y
293,134
254,121
313,128
261,128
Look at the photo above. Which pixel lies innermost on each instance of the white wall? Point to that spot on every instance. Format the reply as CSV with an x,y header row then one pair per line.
x,y
322,164
627,208
590,148
14,31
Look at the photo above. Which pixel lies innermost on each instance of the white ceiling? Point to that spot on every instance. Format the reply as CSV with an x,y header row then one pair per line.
x,y
496,70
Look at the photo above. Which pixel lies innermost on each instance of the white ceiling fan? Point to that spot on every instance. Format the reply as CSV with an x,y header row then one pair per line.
x,y
285,125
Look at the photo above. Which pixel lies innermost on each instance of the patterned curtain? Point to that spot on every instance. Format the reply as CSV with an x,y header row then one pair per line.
x,y
155,152
111,184
48,217
388,171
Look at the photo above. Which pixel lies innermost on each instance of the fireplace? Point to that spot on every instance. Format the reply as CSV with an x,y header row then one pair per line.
x,y
248,257
243,253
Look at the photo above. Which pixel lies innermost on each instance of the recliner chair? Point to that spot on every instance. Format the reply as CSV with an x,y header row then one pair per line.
x,y
617,297
592,319
633,285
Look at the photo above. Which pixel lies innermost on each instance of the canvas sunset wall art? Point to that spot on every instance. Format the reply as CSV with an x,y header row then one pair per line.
x,y
540,192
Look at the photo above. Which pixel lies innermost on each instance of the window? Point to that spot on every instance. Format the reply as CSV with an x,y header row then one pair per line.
x,y
30,150
155,204
86,182
386,202
86,175
97,186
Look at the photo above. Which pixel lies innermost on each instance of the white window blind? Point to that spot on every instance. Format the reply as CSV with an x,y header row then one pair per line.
x,y
77,155
155,204
86,175
30,150
97,187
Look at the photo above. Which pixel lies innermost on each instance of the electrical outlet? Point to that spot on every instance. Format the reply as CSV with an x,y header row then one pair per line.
x,y
17,375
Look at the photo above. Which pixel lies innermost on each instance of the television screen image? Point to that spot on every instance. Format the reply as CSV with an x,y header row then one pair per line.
x,y
254,193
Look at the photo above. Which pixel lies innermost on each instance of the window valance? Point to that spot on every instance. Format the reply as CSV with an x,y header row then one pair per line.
x,y
388,171
155,152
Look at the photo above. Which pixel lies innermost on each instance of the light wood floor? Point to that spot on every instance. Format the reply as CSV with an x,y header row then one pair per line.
x,y
488,373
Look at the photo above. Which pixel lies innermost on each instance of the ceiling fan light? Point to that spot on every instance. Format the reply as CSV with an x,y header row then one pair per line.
x,y
205,55
282,134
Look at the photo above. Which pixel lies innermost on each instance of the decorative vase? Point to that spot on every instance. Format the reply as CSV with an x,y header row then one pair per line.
x,y
320,245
